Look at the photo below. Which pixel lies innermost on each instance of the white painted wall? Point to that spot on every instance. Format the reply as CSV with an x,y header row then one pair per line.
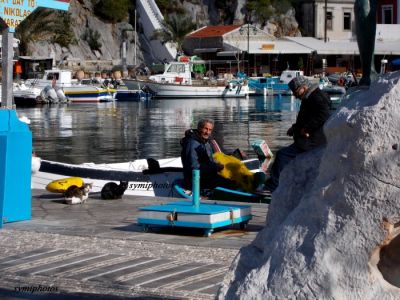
x,y
387,32
337,8
151,19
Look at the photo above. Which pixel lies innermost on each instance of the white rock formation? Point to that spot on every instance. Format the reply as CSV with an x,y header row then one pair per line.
x,y
327,218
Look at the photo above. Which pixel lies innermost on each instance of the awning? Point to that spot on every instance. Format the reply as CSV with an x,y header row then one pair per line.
x,y
346,47
280,46
228,53
206,50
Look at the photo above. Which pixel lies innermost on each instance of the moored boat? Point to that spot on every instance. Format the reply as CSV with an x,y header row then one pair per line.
x,y
99,174
177,82
71,88
146,177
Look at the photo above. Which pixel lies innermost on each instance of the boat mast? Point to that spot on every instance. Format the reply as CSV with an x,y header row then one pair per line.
x,y
135,40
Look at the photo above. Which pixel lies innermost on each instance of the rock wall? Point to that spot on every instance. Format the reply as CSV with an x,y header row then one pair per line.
x,y
327,225
203,12
111,38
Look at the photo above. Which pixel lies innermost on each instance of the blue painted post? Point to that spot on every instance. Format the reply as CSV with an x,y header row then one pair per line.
x,y
196,188
15,168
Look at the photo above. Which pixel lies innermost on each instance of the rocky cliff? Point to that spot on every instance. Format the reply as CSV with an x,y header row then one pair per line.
x,y
112,35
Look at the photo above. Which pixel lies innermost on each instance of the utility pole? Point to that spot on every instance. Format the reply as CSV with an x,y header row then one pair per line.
x,y
248,49
135,41
326,20
242,31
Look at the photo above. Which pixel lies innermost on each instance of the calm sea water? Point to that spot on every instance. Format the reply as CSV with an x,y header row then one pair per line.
x,y
124,131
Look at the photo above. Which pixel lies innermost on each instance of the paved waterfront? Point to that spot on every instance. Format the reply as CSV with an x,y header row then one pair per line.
x,y
97,249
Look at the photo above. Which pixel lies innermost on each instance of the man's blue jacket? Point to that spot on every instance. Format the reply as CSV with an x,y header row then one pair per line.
x,y
197,154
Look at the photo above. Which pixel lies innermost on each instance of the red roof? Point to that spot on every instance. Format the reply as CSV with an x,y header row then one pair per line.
x,y
212,31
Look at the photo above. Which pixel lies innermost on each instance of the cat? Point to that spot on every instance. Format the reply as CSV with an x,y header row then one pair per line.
x,y
111,190
77,195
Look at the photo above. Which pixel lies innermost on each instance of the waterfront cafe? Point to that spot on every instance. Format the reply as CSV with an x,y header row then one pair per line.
x,y
253,51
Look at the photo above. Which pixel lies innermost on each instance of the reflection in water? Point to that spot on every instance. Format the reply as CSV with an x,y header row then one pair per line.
x,y
122,131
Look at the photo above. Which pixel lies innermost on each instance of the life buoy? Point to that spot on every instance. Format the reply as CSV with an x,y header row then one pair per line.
x,y
341,81
61,185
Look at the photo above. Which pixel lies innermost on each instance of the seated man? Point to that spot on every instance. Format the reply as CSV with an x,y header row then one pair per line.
x,y
197,153
307,132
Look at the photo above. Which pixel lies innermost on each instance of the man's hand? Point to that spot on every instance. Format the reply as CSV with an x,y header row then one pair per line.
x,y
290,131
304,133
220,167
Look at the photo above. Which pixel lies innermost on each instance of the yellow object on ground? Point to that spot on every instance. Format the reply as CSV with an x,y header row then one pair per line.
x,y
61,185
235,170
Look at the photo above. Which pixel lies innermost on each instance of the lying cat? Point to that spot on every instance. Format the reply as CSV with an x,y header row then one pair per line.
x,y
77,195
111,190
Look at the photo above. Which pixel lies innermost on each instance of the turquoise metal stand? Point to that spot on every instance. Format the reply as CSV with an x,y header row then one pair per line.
x,y
195,214
15,168
196,189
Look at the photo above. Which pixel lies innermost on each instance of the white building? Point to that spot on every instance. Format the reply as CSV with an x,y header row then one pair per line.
x,y
339,22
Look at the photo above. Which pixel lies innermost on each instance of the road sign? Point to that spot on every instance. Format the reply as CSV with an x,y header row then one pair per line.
x,y
13,12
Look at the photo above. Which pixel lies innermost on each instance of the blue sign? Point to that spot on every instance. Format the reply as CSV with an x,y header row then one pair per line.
x,y
14,12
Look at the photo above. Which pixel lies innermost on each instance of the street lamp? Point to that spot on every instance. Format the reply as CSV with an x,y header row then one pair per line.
x,y
246,30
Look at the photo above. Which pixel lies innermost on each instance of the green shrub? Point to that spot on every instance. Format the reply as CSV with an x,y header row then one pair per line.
x,y
170,7
63,34
92,38
112,10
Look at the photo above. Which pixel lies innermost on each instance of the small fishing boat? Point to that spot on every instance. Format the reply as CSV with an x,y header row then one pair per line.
x,y
330,88
178,81
61,81
146,177
268,86
140,184
135,93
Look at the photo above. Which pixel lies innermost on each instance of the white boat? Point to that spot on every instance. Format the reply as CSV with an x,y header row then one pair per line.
x,y
177,82
140,184
31,95
71,88
330,88
145,177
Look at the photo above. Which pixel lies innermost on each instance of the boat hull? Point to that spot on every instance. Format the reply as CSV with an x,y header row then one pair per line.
x,y
143,179
139,184
87,94
131,95
165,90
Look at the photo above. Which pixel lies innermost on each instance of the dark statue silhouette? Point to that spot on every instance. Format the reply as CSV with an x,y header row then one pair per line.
x,y
365,17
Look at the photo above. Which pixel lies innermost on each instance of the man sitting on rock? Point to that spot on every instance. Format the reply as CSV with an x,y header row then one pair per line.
x,y
307,132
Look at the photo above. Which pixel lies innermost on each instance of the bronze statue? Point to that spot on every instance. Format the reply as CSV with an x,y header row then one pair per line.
x,y
365,17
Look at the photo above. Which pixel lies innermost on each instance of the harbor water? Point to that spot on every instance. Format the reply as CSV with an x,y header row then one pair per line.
x,y
125,131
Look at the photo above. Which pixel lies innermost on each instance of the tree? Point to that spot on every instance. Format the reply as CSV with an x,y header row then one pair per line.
x,y
112,10
175,28
264,9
